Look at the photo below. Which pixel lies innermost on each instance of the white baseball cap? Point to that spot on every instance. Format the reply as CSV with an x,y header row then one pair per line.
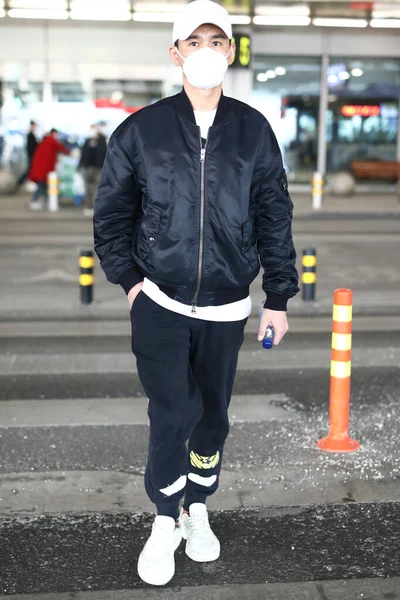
x,y
198,13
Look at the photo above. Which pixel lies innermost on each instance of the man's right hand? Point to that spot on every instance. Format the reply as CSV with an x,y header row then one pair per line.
x,y
133,293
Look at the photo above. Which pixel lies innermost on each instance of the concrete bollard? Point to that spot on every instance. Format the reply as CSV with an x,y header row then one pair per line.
x,y
86,277
317,190
338,439
52,191
309,274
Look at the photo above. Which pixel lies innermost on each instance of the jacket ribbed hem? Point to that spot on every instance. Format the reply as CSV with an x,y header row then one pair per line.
x,y
129,278
276,301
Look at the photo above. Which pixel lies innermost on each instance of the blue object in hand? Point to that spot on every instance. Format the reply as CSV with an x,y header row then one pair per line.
x,y
268,340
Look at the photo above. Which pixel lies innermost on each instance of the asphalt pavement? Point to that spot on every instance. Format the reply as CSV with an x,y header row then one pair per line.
x,y
294,522
95,552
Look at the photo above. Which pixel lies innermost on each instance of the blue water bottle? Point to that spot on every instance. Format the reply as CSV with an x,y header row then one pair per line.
x,y
268,340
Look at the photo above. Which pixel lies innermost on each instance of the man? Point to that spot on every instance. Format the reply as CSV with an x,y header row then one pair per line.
x,y
92,160
43,163
103,129
193,194
31,145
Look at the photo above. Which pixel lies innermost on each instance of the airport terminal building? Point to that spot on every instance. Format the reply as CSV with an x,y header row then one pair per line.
x,y
326,75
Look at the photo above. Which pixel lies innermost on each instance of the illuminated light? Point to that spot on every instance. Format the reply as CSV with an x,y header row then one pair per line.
x,y
385,23
280,71
32,13
356,72
240,19
282,21
156,17
159,7
271,74
243,54
361,111
300,10
327,22
90,15
84,16
102,5
101,10
2,13
38,4
332,78
343,75
262,77
117,96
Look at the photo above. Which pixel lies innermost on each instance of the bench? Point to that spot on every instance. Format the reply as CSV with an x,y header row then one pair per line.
x,y
376,169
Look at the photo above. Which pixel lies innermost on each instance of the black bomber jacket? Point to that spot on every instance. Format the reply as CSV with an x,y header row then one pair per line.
x,y
196,218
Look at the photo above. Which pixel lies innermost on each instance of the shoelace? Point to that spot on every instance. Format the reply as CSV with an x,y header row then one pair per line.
x,y
199,525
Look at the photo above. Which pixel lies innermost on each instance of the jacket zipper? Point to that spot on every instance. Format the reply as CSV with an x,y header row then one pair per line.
x,y
202,211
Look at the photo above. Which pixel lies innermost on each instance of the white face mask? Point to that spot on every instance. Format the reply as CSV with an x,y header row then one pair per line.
x,y
205,68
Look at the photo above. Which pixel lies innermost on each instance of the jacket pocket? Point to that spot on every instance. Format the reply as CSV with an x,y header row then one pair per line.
x,y
148,233
249,242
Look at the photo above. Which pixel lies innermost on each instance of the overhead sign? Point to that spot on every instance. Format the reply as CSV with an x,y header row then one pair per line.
x,y
360,111
243,51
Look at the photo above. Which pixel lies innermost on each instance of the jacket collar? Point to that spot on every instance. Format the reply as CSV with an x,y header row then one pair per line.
x,y
186,109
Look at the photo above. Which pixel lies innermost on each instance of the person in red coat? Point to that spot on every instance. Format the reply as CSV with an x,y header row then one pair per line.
x,y
44,161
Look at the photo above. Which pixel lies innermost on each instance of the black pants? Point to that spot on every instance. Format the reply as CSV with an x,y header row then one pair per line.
x,y
40,192
187,368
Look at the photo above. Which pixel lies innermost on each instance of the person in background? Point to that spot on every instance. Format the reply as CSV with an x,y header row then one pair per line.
x,y
92,160
103,128
43,163
31,145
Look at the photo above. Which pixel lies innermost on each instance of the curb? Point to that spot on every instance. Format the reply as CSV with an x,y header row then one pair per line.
x,y
79,552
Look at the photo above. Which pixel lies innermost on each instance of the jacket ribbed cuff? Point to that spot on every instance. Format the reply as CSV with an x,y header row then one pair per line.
x,y
276,301
129,278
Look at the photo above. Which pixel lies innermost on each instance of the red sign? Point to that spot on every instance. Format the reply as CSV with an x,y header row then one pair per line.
x,y
361,111
361,5
107,103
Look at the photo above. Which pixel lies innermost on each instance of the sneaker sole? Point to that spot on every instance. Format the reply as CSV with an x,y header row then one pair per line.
x,y
153,580
197,557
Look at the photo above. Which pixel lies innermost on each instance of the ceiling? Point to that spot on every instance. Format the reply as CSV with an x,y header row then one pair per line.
x,y
261,12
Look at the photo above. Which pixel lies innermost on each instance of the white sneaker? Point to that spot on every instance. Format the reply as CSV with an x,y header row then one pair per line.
x,y
88,212
36,206
156,563
202,544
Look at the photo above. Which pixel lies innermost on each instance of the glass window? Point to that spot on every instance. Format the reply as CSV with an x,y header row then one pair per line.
x,y
363,111
68,92
287,92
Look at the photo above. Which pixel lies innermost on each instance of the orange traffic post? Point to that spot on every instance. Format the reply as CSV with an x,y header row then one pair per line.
x,y
338,439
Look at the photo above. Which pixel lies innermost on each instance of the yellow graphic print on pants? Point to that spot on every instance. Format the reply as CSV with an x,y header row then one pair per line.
x,y
204,462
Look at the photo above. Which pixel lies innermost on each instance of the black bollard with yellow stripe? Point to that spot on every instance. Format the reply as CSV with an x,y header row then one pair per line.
x,y
86,278
309,274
